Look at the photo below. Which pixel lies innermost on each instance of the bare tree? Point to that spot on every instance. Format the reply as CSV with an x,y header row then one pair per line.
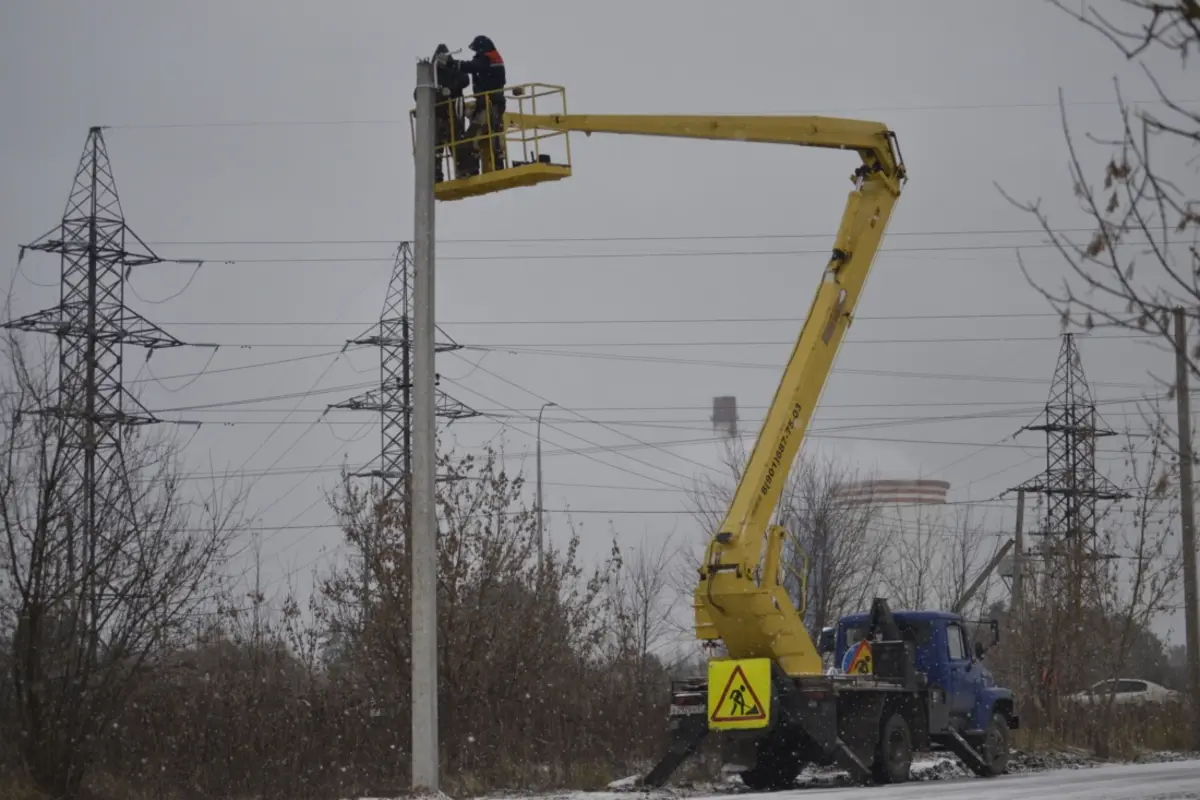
x,y
1090,601
90,610
710,496
969,549
644,604
915,554
528,684
1141,259
1135,567
932,562
832,544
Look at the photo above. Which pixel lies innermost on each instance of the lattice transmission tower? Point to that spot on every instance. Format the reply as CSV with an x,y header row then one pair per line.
x,y
92,324
1072,488
393,399
1070,483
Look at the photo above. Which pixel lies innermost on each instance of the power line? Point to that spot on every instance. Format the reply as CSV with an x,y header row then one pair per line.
x,y
594,422
1020,411
642,321
404,121
314,528
677,424
818,433
224,404
337,451
292,446
329,524
732,342
637,358
776,367
584,452
1039,402
311,529
562,450
593,239
788,342
268,398
574,436
643,255
242,367
301,397
647,512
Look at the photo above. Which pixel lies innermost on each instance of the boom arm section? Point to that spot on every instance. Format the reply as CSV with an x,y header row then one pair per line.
x,y
873,141
739,598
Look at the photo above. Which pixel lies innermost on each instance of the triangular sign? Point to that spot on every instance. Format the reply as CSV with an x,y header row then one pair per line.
x,y
862,660
738,701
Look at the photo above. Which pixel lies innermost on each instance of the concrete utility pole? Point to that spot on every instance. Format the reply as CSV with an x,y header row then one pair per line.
x,y
961,603
1188,520
541,543
424,515
1018,581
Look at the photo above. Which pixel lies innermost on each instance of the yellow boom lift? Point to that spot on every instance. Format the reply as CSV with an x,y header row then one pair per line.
x,y
769,693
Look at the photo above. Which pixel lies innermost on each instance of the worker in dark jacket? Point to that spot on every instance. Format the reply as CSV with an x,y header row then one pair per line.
x,y
488,80
449,124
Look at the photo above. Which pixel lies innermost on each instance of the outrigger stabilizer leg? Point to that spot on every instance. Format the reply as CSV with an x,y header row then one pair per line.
x,y
687,739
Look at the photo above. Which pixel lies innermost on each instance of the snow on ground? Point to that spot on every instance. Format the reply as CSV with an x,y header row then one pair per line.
x,y
1171,777
1033,776
926,767
1177,780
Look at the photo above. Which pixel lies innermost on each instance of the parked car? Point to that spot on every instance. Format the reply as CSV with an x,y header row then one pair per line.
x,y
1128,691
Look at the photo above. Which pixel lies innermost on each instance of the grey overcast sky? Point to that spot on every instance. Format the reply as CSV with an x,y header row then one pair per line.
x,y
244,131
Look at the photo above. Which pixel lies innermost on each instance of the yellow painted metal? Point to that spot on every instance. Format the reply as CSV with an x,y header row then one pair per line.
x,y
511,178
739,599
739,693
479,154
873,140
756,618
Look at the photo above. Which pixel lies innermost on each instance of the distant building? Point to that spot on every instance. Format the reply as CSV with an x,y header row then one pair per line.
x,y
919,491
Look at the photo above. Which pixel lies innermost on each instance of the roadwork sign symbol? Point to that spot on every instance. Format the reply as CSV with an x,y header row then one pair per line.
x,y
859,660
739,693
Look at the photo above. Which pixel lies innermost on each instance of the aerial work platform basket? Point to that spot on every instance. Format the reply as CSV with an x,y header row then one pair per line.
x,y
480,148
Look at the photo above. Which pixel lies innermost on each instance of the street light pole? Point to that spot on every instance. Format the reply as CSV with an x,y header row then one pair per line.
x,y
541,544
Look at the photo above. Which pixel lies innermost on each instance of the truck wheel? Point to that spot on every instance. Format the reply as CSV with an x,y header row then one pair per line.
x,y
771,772
995,746
893,754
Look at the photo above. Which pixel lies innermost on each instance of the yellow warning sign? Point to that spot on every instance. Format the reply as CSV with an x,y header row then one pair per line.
x,y
739,693
861,662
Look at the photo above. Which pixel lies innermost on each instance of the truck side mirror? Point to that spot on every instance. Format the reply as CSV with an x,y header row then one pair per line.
x,y
827,642
979,651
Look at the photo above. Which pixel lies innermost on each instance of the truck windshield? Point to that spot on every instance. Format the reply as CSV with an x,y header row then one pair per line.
x,y
918,632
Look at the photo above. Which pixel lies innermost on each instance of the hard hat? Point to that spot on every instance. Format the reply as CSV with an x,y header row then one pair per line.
x,y
481,44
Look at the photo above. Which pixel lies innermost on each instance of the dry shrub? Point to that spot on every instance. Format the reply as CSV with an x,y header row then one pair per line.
x,y
1128,732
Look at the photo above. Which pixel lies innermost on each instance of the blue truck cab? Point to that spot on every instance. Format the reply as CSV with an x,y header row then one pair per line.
x,y
955,676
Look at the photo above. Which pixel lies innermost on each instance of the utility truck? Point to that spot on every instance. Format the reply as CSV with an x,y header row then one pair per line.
x,y
915,684
911,683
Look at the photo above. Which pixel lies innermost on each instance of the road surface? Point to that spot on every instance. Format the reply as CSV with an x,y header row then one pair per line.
x,y
1177,780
